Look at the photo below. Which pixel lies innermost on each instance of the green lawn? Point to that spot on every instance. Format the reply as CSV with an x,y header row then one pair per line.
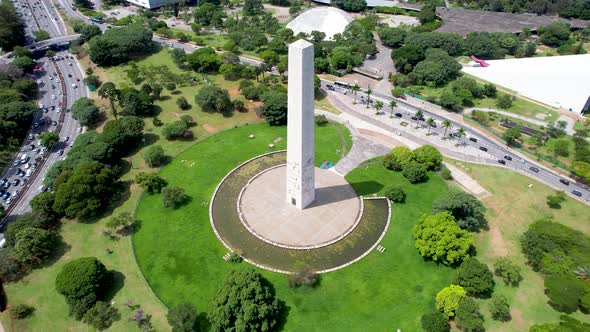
x,y
182,259
512,206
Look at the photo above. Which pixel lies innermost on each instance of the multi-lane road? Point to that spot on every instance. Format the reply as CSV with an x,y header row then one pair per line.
x,y
501,155
60,84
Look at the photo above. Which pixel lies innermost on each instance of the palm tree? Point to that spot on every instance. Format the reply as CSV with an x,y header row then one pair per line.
x,y
109,90
583,272
461,132
369,91
392,104
430,122
355,88
378,105
419,116
447,125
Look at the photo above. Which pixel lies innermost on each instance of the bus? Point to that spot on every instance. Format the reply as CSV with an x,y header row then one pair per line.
x,y
96,20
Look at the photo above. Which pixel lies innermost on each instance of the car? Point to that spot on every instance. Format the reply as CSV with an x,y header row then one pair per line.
x,y
67,138
71,144
502,161
41,188
520,160
397,133
59,92
45,110
70,64
6,195
414,118
3,181
16,162
57,80
35,124
6,185
50,77
60,152
54,123
473,139
564,181
74,85
18,170
40,106
29,172
508,158
9,200
15,182
52,97
483,148
58,109
34,166
577,193
23,182
534,169
27,165
399,115
69,75
78,79
79,129
53,86
38,151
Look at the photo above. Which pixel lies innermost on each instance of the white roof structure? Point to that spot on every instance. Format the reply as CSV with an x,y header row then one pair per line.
x,y
558,81
328,20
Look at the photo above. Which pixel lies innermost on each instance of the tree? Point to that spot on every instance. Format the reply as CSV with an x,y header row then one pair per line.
x,y
123,135
414,172
555,34
84,192
369,92
136,102
559,146
88,31
467,210
554,201
275,108
395,194
564,292
252,7
82,281
567,324
429,156
21,311
398,158
392,104
355,89
303,277
468,317
85,111
182,318
123,219
504,102
154,155
213,99
25,63
475,278
42,205
508,271
150,182
48,139
435,321
101,316
511,135
12,29
176,129
109,90
33,245
246,301
116,46
204,60
430,123
461,133
447,124
392,37
170,86
182,103
500,308
41,35
448,299
439,238
172,197
378,106
351,5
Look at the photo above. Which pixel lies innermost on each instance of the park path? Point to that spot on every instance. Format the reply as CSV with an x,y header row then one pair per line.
x,y
362,150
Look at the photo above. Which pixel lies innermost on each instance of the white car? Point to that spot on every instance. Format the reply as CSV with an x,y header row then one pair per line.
x,y
57,80
80,129
52,97
41,106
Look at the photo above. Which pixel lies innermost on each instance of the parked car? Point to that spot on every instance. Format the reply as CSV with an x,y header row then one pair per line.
x,y
577,193
508,158
399,115
502,161
564,181
534,169
483,148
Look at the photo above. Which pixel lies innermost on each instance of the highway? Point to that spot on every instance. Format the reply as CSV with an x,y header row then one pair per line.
x,y
61,84
504,156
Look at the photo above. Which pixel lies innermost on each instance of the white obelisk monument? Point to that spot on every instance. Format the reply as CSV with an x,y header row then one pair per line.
x,y
300,126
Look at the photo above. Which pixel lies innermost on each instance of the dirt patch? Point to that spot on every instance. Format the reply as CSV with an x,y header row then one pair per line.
x,y
253,105
499,246
517,319
210,129
521,297
233,92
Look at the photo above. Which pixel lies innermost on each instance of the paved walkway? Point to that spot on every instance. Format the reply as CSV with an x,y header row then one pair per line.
x,y
362,150
467,182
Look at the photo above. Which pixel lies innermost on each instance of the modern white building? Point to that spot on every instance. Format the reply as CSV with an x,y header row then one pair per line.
x,y
150,4
558,81
328,20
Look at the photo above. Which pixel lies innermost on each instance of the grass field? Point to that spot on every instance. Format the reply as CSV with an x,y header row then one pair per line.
x,y
512,206
381,292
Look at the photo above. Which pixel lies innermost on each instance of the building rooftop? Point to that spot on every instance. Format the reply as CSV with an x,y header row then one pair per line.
x,y
328,20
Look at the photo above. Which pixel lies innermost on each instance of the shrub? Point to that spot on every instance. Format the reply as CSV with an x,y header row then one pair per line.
x,y
448,299
500,308
468,317
182,318
508,271
174,130
435,321
429,156
438,237
468,211
395,194
475,278
154,155
182,103
321,120
445,173
172,197
21,311
414,172
157,122
101,316
303,277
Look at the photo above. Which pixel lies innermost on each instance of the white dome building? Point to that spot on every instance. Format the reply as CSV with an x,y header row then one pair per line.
x,y
328,20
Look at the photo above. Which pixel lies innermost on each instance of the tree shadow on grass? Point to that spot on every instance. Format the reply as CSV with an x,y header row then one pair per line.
x,y
164,98
202,322
61,248
364,188
117,283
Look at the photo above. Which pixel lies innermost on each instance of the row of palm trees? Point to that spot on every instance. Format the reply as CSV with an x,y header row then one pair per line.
x,y
430,122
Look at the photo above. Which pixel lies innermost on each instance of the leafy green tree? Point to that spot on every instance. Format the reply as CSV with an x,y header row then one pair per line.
x,y
173,130
84,192
560,147
213,99
154,155
448,299
41,35
25,63
566,324
555,34
395,194
109,91
204,60
439,238
82,282
12,29
406,57
182,317
564,292
392,37
48,139
435,321
500,308
88,31
446,173
429,156
252,7
511,135
554,201
351,5
172,197
123,219
275,108
504,102
182,103
43,204
33,245
136,102
150,182
116,46
415,172
245,301
468,317
508,271
398,158
85,111
101,316
475,278
343,57
467,210
123,134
